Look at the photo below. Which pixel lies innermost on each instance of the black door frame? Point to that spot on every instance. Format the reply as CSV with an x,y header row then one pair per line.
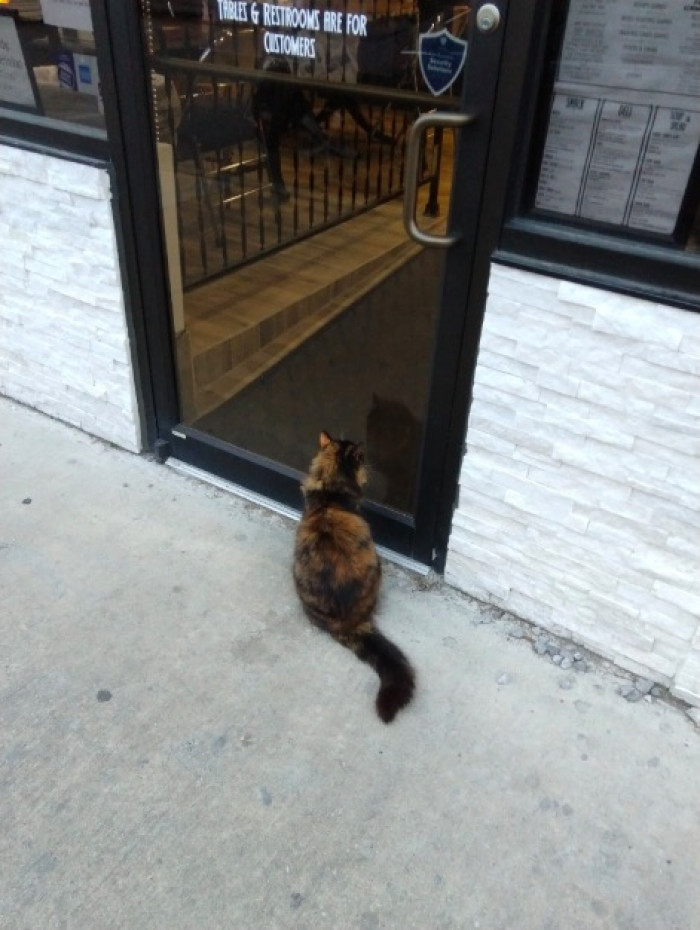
x,y
482,166
512,74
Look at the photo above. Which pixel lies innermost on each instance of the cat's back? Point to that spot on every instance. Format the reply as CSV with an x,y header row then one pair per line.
x,y
331,533
336,568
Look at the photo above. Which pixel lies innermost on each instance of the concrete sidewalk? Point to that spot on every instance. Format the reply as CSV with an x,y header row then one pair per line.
x,y
179,750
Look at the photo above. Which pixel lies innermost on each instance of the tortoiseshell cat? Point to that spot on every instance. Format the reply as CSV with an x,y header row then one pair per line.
x,y
337,570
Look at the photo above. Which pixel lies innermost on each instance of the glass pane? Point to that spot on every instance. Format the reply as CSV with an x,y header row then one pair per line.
x,y
298,302
622,124
48,69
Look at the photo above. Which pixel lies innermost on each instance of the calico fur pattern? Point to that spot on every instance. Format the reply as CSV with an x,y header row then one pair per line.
x,y
337,570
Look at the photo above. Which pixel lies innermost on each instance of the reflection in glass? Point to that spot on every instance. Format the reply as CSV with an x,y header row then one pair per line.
x,y
298,303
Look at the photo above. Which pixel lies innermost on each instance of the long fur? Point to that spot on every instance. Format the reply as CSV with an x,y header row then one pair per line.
x,y
397,679
337,571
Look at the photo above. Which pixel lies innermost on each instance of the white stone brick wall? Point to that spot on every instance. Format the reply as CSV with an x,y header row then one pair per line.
x,y
579,500
64,345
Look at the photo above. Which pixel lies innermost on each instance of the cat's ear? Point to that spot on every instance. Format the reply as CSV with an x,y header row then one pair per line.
x,y
324,440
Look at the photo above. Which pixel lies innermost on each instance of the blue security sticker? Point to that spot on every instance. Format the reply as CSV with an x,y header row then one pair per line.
x,y
441,57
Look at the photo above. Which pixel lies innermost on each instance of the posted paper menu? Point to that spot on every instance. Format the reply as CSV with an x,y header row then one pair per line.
x,y
624,125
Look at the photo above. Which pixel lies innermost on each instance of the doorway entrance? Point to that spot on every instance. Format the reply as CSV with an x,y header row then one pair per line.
x,y
289,141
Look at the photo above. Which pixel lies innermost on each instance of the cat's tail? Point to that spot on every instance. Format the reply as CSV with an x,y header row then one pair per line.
x,y
397,678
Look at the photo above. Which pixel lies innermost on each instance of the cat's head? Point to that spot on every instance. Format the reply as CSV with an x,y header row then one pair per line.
x,y
338,461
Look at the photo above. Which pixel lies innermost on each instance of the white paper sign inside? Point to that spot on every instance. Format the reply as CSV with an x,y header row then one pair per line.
x,y
15,84
69,14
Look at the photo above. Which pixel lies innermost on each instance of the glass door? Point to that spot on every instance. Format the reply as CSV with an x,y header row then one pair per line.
x,y
289,138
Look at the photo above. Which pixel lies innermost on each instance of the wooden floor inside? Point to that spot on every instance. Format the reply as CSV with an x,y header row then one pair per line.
x,y
241,324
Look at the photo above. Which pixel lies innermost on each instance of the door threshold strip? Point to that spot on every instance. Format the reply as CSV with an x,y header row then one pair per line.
x,y
237,490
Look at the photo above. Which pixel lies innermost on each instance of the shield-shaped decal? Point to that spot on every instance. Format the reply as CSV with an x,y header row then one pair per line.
x,y
441,56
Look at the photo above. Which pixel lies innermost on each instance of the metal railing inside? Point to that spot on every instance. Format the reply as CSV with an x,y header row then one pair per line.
x,y
265,155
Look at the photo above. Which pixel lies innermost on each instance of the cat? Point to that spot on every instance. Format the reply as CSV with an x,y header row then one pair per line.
x,y
393,441
337,570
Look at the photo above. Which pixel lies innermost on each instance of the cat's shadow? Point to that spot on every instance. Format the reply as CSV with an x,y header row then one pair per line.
x,y
393,450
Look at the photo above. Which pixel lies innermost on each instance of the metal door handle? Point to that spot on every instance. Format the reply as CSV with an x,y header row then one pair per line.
x,y
433,120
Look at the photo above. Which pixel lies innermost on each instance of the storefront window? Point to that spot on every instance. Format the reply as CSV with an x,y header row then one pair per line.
x,y
617,146
48,65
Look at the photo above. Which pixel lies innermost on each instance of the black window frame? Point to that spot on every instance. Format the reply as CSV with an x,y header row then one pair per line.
x,y
624,261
